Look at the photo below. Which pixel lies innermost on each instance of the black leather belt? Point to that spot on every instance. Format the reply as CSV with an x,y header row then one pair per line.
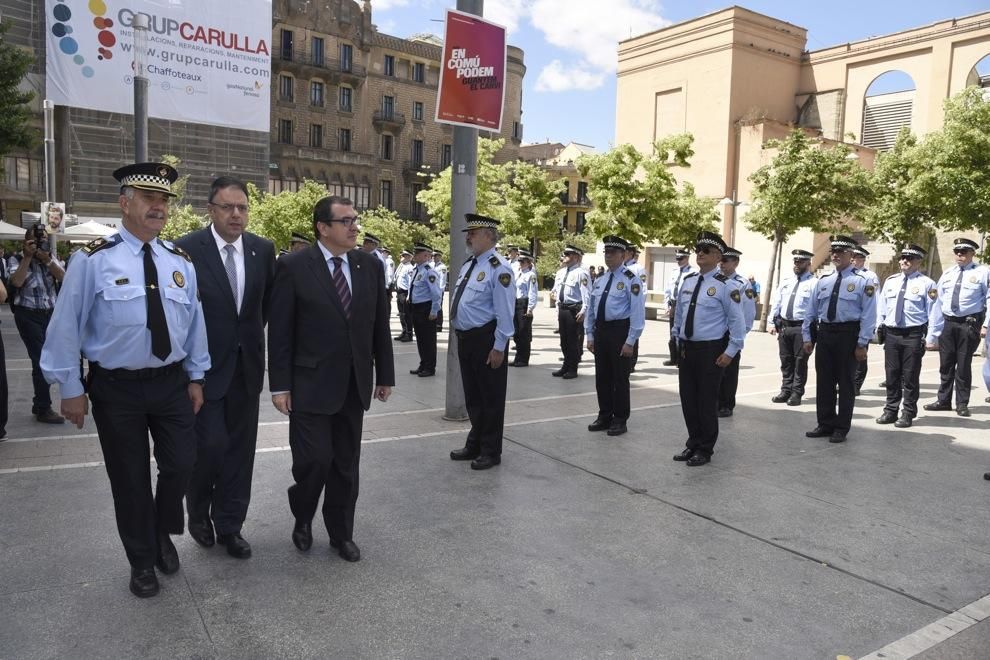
x,y
973,318
791,324
488,327
688,343
913,330
136,374
845,325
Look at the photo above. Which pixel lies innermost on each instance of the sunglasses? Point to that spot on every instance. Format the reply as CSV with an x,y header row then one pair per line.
x,y
838,250
703,249
961,251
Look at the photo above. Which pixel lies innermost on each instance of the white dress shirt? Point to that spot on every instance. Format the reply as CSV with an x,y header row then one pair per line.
x,y
238,262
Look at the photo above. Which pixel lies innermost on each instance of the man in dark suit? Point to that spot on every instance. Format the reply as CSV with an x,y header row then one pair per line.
x,y
328,336
235,270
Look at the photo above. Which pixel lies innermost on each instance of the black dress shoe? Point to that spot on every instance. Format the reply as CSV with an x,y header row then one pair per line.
x,y
236,545
819,432
883,384
414,372
202,532
837,436
963,411
699,459
600,424
167,560
558,373
617,428
684,455
782,397
670,363
50,417
302,535
569,375
724,412
346,549
144,582
938,405
903,423
986,400
464,454
400,338
485,462
887,418
856,391
426,373
519,364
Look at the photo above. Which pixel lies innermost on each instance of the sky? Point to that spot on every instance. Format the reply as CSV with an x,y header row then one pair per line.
x,y
570,45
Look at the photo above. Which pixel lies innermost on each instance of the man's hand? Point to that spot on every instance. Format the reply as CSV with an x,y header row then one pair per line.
x,y
283,402
195,396
580,317
723,360
529,313
808,347
432,317
773,330
383,392
591,346
30,247
495,359
861,353
75,409
983,332
931,347
626,350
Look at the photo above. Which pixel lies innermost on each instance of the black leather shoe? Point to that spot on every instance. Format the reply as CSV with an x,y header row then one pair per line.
x,y
50,417
485,462
426,373
302,535
617,428
414,372
837,436
887,418
782,397
795,400
144,582
600,424
400,338
519,364
670,363
856,392
699,459
406,339
963,411
724,412
346,549
684,455
938,405
202,532
167,560
883,384
558,373
569,375
236,545
818,432
986,400
464,454
903,423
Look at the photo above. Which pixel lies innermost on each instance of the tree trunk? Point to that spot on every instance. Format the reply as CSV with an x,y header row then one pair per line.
x,y
768,289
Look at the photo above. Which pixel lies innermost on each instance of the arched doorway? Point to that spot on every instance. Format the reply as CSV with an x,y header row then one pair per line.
x,y
980,74
887,108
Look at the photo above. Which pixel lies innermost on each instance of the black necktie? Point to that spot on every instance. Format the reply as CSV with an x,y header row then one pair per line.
x,y
955,293
899,308
460,288
161,346
677,284
833,301
689,321
600,317
789,315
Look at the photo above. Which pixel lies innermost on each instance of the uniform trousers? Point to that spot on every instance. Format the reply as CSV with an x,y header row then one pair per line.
x,y
523,335
484,389
730,383
570,334
960,339
439,321
903,350
675,355
698,379
835,364
326,453
126,406
426,335
226,437
402,305
793,359
612,370
861,369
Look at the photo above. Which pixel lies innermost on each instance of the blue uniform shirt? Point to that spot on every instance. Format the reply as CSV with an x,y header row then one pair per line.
x,y
806,285
102,312
674,280
638,270
748,299
718,310
403,276
626,300
488,295
857,302
871,277
973,290
571,286
526,287
920,304
427,286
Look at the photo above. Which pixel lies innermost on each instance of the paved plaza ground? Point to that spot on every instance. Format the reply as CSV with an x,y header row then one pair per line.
x,y
577,546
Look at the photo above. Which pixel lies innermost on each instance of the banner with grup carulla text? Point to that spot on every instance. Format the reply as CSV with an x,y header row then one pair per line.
x,y
472,75
206,62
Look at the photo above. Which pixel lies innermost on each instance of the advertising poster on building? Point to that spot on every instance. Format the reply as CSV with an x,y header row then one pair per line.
x,y
472,76
206,62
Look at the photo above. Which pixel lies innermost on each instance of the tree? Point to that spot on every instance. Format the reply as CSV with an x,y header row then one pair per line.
x,y
398,234
15,114
807,185
896,214
276,217
436,196
548,262
531,204
182,218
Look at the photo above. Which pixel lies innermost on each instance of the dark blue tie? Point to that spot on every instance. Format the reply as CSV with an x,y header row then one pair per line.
x,y
899,308
833,302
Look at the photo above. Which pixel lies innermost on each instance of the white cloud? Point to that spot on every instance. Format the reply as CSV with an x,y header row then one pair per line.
x,y
385,5
506,12
555,77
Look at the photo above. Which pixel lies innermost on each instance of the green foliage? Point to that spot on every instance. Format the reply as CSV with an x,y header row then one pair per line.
x,y
276,216
398,234
15,114
436,196
182,218
548,261
896,214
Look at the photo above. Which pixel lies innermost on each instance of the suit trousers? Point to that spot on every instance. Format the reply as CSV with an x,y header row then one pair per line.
x,y
125,409
226,437
730,383
698,379
861,370
426,335
903,350
326,452
835,364
484,389
612,370
32,325
793,360
523,331
956,346
570,334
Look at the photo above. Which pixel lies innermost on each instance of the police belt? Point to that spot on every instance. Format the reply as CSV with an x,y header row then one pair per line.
x,y
791,324
135,374
569,305
913,330
844,326
972,318
614,323
481,329
688,344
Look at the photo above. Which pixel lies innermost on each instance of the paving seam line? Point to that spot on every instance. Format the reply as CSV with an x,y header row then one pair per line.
x,y
934,633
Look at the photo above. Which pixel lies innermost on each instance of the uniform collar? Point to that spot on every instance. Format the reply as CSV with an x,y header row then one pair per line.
x,y
851,269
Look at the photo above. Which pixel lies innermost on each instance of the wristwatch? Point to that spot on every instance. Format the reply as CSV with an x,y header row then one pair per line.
x,y
198,381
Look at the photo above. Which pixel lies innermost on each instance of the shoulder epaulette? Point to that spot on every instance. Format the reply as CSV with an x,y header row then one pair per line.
x,y
101,244
628,273
721,278
176,250
493,260
890,277
690,275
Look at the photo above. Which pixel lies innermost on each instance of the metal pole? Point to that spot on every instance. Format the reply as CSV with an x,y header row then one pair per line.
x,y
140,27
49,111
464,197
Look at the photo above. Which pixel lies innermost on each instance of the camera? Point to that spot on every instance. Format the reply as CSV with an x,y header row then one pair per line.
x,y
40,237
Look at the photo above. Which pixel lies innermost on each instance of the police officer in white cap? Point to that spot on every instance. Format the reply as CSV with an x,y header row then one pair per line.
x,y
860,254
790,304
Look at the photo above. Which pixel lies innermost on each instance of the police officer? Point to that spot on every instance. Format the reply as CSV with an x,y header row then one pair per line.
x,y
130,305
481,312
298,243
845,309
373,245
962,296
670,296
910,319
790,305
403,280
526,297
512,254
632,263
425,293
571,285
440,268
730,379
710,327
615,320
860,254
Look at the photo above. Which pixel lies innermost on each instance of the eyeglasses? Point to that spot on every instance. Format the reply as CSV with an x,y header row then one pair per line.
x,y
227,208
350,221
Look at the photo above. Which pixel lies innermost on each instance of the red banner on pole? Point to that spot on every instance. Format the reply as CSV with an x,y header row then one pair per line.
x,y
472,78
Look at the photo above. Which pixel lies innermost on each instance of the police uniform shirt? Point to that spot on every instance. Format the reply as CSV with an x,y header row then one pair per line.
x,y
626,300
571,285
488,295
718,310
857,302
441,270
674,281
973,290
806,285
748,299
638,269
381,257
403,276
426,287
920,304
389,272
526,288
515,265
102,312
869,275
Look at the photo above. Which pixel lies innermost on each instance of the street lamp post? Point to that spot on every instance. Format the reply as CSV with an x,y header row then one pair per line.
x,y
734,203
140,26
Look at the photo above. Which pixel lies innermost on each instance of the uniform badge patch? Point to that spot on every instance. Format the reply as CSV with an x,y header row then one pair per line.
x,y
584,281
973,279
933,293
635,289
481,276
505,279
711,291
850,288
642,276
179,279
123,280
433,278
915,290
734,295
869,290
750,294
620,286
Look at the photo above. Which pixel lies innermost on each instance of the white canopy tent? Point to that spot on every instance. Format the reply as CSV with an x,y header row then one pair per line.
x,y
9,232
86,231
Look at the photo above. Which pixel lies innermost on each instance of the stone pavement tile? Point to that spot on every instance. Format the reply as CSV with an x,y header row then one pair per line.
x,y
971,643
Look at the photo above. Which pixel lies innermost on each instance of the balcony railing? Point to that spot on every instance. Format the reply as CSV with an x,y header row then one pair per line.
x,y
385,117
326,154
417,168
324,63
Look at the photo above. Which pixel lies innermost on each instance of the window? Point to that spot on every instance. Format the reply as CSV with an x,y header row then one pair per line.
x,y
344,139
419,211
386,147
389,68
566,192
363,200
336,188
287,45
582,192
419,72
344,96
385,196
517,130
445,157
285,88
418,111
316,94
316,136
350,190
388,107
417,152
579,224
316,51
26,174
285,131
346,57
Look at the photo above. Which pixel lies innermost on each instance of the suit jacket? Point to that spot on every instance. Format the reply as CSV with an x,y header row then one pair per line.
x,y
229,332
313,347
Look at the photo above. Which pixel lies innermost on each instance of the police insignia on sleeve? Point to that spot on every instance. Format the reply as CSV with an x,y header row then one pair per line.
x,y
505,279
620,286
750,294
635,289
493,260
869,289
179,279
584,281
712,291
433,278
933,293
481,276
851,287
734,295
642,276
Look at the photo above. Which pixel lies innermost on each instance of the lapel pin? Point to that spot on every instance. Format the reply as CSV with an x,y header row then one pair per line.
x,y
252,253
